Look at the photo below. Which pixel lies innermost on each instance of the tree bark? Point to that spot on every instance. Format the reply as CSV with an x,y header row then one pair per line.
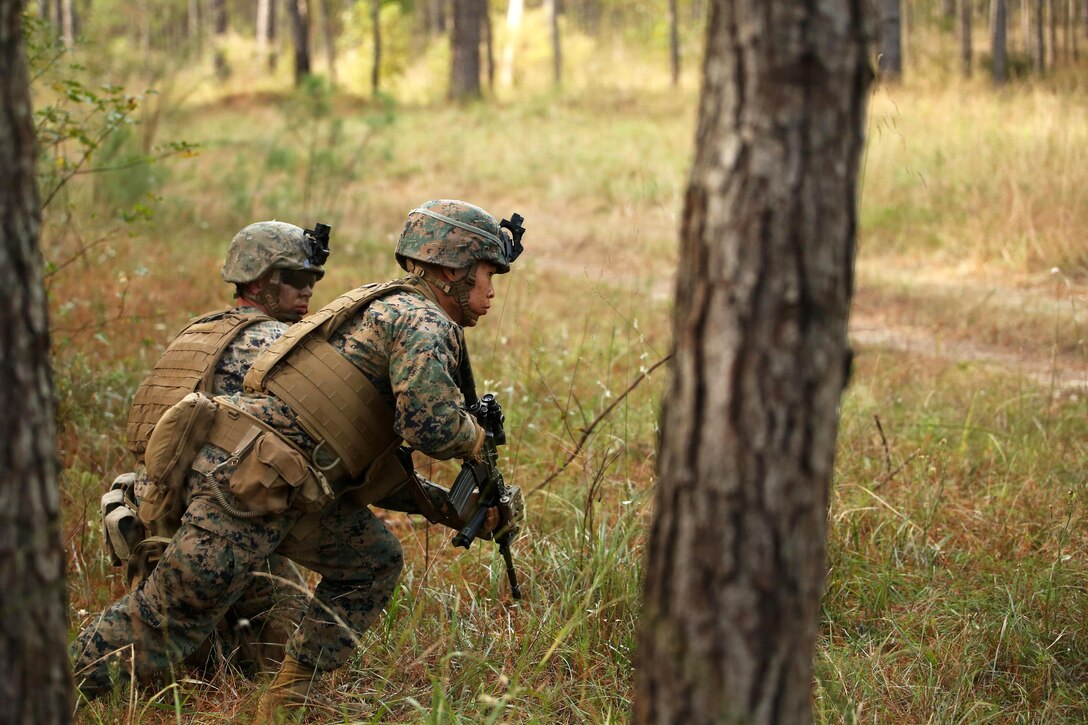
x,y
674,43
329,36
489,43
266,32
35,684
965,37
376,71
735,562
465,50
299,13
194,28
219,13
890,63
515,10
1039,34
999,44
557,48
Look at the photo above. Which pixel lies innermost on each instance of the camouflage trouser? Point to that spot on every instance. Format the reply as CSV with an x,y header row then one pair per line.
x,y
212,561
252,634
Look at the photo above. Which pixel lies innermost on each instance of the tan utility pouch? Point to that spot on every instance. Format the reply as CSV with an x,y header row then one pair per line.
x,y
273,476
174,442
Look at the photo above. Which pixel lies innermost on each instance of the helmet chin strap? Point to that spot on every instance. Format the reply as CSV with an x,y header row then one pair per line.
x,y
458,289
269,298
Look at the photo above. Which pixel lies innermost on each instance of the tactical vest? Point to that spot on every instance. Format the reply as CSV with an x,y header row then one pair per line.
x,y
188,365
335,403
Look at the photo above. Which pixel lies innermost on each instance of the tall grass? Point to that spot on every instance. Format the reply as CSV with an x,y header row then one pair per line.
x,y
957,552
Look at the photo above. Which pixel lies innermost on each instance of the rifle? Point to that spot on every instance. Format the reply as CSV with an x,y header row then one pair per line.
x,y
484,476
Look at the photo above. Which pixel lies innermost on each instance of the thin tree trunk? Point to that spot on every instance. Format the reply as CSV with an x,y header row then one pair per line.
x,y
263,25
1039,55
1052,54
1074,9
465,50
376,71
299,13
489,45
195,28
437,15
999,27
219,13
329,36
735,561
557,49
66,22
674,43
890,63
965,36
35,684
515,10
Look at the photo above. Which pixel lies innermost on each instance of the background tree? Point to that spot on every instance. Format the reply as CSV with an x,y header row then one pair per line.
x,y
998,29
965,36
891,41
35,685
557,48
736,557
465,49
299,12
674,43
266,31
219,13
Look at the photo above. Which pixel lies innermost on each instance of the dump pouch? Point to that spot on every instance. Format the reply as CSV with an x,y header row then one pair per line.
x,y
171,449
273,476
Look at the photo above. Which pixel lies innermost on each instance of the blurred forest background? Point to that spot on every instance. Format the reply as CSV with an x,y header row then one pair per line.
x,y
958,551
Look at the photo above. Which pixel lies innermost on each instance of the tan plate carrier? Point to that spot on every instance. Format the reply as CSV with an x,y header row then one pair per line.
x,y
187,365
334,401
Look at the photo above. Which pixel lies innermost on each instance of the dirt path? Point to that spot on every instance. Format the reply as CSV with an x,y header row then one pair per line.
x,y
1034,326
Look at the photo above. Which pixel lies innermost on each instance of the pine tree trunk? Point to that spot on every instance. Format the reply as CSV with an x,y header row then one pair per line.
x,y
735,562
999,47
489,44
376,71
557,48
328,34
515,10
465,50
674,43
195,28
965,37
890,63
219,13
35,685
299,13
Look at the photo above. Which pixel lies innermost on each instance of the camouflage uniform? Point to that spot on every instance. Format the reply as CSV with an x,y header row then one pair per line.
x,y
411,351
254,629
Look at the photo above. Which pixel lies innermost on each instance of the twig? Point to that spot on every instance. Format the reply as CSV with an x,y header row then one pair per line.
x,y
604,414
884,441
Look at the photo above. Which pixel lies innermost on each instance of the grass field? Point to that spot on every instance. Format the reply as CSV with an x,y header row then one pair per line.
x,y
958,552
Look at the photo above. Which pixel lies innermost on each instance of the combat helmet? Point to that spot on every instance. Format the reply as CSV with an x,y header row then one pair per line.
x,y
263,246
458,235
273,246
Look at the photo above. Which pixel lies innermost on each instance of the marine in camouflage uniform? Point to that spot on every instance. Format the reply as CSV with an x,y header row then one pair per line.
x,y
406,339
274,270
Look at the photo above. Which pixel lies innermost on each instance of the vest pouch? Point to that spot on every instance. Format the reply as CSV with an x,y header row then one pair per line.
x,y
174,442
272,476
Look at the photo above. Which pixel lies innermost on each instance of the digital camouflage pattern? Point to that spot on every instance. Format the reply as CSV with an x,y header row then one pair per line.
x,y
239,355
410,349
215,559
429,239
252,631
263,246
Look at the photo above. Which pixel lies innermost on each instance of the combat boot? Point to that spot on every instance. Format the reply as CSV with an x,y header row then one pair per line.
x,y
289,691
